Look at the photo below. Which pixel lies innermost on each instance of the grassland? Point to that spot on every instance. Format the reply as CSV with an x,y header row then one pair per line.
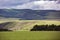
x,y
26,25
28,35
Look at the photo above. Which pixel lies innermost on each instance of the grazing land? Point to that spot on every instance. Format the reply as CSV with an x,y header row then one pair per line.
x,y
27,35
21,30
25,25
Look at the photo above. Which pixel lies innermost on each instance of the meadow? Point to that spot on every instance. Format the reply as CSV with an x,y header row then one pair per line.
x,y
26,25
25,33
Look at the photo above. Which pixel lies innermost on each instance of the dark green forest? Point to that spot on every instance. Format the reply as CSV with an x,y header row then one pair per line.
x,y
46,28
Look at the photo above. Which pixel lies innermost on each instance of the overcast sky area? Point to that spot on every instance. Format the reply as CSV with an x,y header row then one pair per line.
x,y
30,4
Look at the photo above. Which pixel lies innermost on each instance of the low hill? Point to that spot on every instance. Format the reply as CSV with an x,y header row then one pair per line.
x,y
25,25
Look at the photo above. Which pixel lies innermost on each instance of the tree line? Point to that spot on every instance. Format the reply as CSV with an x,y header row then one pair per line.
x,y
5,30
2,26
46,28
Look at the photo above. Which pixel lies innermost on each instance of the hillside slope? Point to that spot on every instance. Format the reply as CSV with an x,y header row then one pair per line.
x,y
25,25
28,14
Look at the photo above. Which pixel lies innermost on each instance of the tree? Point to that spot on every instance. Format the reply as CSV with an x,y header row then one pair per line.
x,y
46,28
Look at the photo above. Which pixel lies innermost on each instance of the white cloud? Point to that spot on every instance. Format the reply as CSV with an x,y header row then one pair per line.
x,y
39,5
35,5
12,2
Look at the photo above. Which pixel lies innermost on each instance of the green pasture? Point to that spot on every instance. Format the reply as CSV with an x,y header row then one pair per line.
x,y
29,35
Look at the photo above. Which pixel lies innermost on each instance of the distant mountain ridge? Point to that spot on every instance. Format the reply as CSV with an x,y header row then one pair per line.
x,y
28,14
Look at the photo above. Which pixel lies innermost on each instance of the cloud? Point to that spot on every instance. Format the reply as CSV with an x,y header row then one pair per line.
x,y
39,5
12,2
29,4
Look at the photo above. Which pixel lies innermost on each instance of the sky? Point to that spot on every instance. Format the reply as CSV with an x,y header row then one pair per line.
x,y
30,4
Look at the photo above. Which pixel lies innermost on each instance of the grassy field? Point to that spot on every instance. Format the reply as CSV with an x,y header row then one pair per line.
x,y
26,35
26,25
